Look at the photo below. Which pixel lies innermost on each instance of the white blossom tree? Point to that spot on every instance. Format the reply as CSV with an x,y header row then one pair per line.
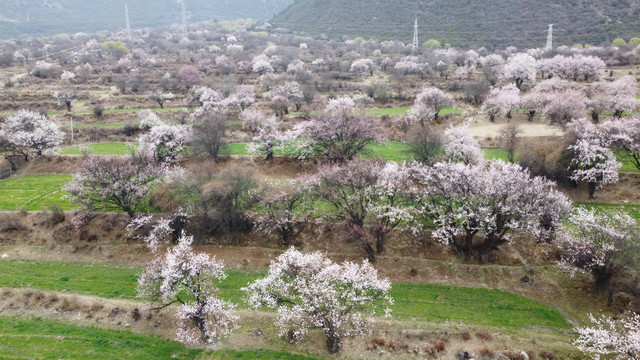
x,y
65,98
618,337
149,119
624,135
362,67
160,97
603,244
165,143
188,278
267,138
491,199
310,291
520,68
428,104
459,145
28,133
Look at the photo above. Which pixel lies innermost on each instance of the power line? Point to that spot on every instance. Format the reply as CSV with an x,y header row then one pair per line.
x,y
16,352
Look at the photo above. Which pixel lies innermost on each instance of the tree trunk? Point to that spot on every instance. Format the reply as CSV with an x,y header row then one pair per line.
x,y
371,255
530,115
592,190
334,343
380,238
595,116
602,277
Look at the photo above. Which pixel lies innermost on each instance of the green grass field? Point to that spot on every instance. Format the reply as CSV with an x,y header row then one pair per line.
x,y
415,302
46,339
33,192
37,338
399,111
112,148
389,151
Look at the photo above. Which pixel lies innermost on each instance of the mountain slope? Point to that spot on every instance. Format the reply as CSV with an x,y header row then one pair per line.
x,y
489,23
47,17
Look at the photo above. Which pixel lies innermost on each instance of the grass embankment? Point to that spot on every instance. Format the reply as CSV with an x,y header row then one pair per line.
x,y
36,338
33,192
413,302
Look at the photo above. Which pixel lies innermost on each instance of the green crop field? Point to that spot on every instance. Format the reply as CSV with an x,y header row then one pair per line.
x,y
33,192
423,302
111,148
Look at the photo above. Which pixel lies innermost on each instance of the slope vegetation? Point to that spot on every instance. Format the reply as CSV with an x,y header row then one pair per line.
x,y
490,23
48,17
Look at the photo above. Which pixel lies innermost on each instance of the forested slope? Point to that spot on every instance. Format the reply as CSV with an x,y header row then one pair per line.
x,y
468,22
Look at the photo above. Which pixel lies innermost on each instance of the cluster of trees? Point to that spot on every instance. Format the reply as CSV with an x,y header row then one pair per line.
x,y
308,291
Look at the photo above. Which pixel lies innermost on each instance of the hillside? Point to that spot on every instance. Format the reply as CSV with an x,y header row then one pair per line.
x,y
491,23
48,17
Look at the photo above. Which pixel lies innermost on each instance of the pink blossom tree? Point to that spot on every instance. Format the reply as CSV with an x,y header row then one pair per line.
x,y
339,134
521,68
188,278
492,67
114,183
491,199
533,102
502,100
310,291
285,213
348,189
622,93
28,133
565,106
592,161
618,337
188,75
602,244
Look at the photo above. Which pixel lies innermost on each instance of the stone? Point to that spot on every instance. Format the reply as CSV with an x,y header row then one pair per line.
x,y
463,355
257,332
527,281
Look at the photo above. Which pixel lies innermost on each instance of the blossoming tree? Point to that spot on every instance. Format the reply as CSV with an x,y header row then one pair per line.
x,y
310,291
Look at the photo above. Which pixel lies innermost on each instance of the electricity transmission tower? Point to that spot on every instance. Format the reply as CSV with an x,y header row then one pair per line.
x,y
550,38
415,36
185,35
126,14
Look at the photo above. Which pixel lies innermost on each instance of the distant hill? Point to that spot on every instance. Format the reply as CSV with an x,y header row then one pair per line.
x,y
491,23
48,17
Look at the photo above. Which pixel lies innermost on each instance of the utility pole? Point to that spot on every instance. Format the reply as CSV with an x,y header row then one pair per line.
x,y
415,36
126,14
185,35
550,38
